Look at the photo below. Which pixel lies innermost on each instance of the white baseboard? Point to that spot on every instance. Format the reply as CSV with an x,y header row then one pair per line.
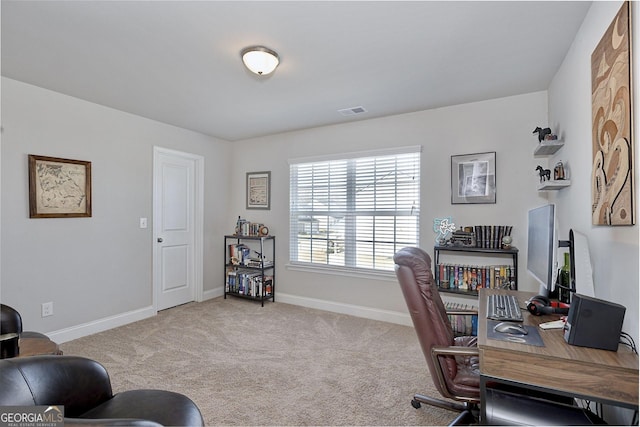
x,y
100,325
82,330
79,331
213,293
353,310
93,327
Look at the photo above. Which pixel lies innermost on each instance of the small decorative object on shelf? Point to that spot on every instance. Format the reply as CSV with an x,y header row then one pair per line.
x,y
444,227
463,237
558,171
545,174
545,134
506,242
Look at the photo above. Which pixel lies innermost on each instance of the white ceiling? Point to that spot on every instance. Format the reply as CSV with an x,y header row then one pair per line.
x,y
179,61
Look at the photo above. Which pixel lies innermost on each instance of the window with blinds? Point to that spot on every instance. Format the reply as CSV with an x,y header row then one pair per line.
x,y
355,212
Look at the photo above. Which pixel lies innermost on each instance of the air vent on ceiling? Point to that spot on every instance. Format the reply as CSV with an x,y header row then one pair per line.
x,y
352,111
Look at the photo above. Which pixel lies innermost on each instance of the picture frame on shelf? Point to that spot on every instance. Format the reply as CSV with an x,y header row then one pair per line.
x,y
473,178
259,190
59,188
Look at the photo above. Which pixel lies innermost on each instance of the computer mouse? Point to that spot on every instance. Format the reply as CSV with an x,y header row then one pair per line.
x,y
510,328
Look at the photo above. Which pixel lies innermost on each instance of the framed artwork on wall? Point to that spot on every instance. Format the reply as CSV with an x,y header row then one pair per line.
x,y
473,178
612,175
59,188
259,190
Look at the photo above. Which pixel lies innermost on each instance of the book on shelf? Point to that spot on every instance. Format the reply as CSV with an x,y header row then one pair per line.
x,y
473,277
249,282
460,323
490,236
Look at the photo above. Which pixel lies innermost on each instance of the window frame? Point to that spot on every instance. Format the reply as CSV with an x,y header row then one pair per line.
x,y
350,268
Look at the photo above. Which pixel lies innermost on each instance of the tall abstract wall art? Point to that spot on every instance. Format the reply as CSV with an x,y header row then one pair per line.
x,y
612,184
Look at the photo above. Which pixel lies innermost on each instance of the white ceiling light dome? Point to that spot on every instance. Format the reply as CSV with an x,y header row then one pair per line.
x,y
260,60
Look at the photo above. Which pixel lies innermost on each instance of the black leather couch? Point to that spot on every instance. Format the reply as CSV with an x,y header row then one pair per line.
x,y
83,387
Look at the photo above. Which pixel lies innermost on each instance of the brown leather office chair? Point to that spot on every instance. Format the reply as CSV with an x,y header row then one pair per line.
x,y
453,361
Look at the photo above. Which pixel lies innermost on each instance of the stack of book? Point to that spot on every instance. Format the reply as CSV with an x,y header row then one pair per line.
x,y
490,236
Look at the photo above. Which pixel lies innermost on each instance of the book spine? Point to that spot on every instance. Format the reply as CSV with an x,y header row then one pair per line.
x,y
486,236
268,285
444,278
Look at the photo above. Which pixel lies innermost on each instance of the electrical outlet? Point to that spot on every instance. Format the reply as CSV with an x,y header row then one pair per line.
x,y
47,309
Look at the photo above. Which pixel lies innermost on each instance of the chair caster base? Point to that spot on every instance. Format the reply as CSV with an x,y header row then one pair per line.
x,y
468,411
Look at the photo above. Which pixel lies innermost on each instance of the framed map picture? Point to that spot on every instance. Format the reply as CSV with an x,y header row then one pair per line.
x,y
59,188
258,190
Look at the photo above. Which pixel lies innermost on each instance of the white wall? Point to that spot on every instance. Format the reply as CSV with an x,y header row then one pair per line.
x,y
502,125
96,269
614,250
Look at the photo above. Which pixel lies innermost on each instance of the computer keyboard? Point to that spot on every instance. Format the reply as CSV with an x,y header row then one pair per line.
x,y
503,308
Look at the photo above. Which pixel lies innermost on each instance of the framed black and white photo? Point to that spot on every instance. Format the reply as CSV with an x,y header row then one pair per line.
x,y
473,178
259,190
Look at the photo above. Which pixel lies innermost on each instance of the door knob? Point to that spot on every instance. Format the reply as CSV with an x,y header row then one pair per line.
x,y
160,240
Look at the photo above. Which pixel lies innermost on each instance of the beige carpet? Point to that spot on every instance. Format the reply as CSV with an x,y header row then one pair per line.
x,y
275,365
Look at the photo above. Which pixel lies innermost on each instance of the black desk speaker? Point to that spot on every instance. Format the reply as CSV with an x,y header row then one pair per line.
x,y
594,323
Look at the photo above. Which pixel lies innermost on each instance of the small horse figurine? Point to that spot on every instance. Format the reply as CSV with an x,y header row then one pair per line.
x,y
542,133
545,174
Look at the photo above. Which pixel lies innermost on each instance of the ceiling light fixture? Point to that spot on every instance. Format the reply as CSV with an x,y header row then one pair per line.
x,y
260,60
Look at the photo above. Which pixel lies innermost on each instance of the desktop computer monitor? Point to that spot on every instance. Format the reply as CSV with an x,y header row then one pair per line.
x,y
542,247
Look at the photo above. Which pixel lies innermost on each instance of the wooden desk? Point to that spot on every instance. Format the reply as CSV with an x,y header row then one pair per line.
x,y
606,376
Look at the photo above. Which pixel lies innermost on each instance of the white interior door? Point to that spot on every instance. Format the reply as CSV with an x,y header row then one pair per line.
x,y
177,225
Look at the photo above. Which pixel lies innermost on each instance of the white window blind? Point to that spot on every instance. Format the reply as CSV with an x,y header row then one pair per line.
x,y
354,212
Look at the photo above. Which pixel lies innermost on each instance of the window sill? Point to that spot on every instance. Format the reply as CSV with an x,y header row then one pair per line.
x,y
363,273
